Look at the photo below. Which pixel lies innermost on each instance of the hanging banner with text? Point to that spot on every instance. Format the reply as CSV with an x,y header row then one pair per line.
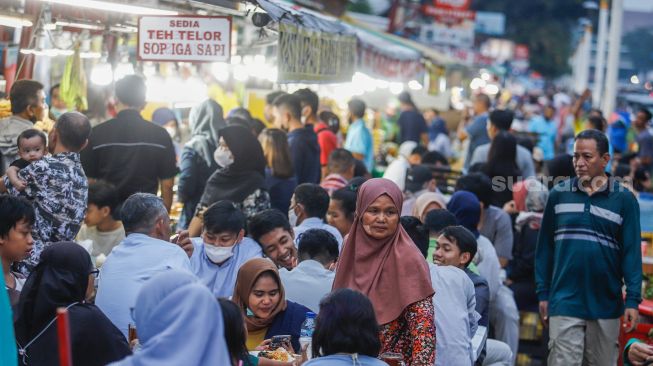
x,y
184,38
309,56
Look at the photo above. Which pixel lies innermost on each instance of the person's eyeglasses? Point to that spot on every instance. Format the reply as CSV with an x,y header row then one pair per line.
x,y
95,272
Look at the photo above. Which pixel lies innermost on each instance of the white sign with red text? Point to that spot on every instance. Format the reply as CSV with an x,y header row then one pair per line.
x,y
184,38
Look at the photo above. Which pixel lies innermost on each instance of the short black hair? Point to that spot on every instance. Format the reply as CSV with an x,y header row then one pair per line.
x,y
29,133
308,97
234,330
357,108
271,97
53,88
646,112
23,94
436,220
319,245
224,216
597,123
433,157
340,160
314,198
502,119
360,170
477,183
463,238
13,210
131,91
419,150
291,103
485,99
602,144
346,323
267,221
331,119
404,97
416,231
74,129
347,198
103,194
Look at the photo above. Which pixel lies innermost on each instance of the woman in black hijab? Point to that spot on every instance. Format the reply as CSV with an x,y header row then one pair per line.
x,y
64,278
197,163
241,178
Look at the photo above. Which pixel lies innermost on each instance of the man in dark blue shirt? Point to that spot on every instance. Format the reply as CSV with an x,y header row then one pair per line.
x,y
304,148
412,126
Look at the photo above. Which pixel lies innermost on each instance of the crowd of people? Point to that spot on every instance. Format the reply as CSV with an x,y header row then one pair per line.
x,y
283,220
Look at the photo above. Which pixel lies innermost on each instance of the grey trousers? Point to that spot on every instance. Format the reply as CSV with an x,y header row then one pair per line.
x,y
574,341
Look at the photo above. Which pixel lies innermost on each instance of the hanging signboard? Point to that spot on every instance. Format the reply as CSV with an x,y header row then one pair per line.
x,y
378,64
184,38
305,55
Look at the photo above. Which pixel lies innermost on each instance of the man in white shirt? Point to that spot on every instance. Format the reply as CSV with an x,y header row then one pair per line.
x,y
456,299
312,279
308,207
145,252
222,249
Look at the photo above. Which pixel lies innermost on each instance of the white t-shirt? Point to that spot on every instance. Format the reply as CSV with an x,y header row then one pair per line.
x,y
103,241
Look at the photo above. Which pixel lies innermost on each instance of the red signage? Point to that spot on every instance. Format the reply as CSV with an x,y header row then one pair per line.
x,y
452,4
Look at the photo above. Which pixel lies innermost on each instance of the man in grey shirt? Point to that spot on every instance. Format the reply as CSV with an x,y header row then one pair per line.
x,y
501,120
27,107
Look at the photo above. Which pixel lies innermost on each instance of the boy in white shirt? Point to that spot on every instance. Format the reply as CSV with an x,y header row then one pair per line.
x,y
100,226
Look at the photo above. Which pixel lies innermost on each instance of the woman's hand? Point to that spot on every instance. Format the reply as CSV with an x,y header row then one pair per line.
x,y
640,352
264,346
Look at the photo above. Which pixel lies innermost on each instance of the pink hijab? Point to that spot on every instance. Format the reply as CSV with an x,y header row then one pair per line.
x,y
391,272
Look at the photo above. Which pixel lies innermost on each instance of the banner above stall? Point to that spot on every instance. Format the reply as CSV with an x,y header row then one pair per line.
x,y
184,38
314,47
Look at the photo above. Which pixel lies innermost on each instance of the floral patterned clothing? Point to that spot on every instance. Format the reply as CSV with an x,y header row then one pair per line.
x,y
253,204
58,189
412,334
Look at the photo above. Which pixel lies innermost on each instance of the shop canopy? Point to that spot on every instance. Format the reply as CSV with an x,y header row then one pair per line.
x,y
314,47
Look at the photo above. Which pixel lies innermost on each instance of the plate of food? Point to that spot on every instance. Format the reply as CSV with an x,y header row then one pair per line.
x,y
280,354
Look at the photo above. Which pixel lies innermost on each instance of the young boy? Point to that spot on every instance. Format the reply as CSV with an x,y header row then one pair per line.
x,y
222,248
15,241
31,147
456,246
100,226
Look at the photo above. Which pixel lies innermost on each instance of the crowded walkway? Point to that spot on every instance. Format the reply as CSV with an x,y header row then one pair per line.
x,y
299,244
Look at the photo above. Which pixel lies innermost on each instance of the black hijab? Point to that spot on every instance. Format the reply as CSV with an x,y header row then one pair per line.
x,y
205,121
244,176
60,280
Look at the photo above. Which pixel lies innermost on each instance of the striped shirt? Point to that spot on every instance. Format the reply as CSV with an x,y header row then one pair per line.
x,y
588,247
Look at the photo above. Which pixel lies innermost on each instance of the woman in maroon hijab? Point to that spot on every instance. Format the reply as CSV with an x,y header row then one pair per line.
x,y
380,260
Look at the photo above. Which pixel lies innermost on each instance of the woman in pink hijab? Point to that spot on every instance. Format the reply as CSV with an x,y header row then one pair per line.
x,y
380,260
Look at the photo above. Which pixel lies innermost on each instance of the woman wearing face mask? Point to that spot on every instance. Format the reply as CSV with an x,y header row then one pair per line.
x,y
64,278
197,163
166,118
260,296
380,260
222,249
241,178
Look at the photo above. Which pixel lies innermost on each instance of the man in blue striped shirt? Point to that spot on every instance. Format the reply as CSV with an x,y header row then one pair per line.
x,y
588,248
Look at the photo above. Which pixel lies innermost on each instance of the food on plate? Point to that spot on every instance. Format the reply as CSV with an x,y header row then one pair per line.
x,y
280,354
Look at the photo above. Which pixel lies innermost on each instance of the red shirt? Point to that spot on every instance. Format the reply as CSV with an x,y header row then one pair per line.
x,y
327,140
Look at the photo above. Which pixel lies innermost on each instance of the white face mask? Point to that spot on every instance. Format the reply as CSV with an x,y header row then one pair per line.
x,y
172,132
223,157
292,217
218,254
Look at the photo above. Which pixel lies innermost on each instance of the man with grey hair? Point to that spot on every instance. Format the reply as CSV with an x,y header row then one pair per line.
x,y
145,252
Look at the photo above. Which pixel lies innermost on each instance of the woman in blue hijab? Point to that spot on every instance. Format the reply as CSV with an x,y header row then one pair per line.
x,y
179,322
